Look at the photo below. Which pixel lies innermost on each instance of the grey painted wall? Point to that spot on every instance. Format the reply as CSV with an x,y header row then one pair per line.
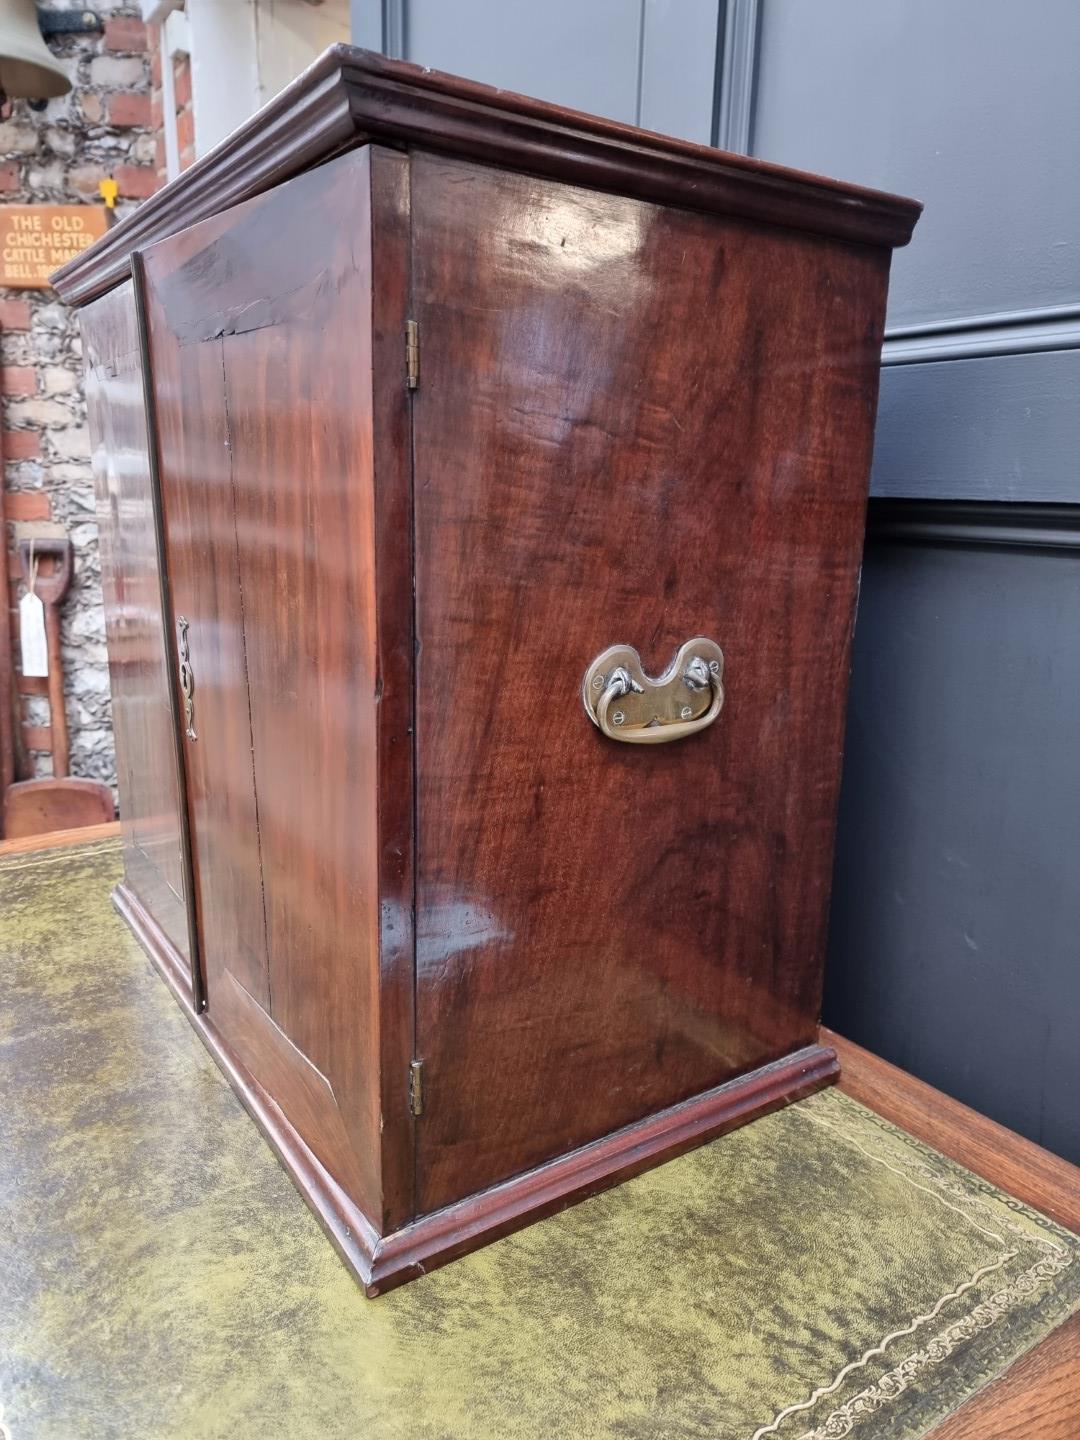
x,y
968,105
954,946
646,62
956,909
1000,427
954,937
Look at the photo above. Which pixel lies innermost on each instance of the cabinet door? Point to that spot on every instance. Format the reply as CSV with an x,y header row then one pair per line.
x,y
154,870
635,425
260,333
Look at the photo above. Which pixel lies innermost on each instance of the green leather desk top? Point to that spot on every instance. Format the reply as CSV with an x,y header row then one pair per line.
x,y
816,1274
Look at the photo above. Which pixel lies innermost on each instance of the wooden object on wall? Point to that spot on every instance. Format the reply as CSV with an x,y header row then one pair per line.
x,y
59,802
432,424
8,699
51,584
34,807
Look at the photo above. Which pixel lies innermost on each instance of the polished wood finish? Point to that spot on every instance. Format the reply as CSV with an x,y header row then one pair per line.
x,y
351,97
33,806
154,856
647,379
445,1234
201,546
611,449
1040,1394
381,1262
270,525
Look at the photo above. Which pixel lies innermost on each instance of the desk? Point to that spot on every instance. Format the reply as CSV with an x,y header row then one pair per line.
x,y
1040,1395
160,1278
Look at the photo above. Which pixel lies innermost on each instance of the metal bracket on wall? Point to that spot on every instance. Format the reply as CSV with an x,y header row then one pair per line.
x,y
69,22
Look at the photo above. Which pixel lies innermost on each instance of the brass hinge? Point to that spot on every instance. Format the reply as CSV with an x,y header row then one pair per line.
x,y
412,354
416,1087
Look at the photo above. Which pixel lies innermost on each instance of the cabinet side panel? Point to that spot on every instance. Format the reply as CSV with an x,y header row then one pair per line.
x,y
635,425
142,714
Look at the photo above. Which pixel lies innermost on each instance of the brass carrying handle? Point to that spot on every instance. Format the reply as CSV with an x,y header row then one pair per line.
x,y
630,707
187,676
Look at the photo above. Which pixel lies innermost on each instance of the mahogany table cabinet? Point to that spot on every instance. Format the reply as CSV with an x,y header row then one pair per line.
x,y
453,452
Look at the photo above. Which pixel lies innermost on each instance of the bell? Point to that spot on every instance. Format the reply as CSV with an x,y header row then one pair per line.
x,y
28,70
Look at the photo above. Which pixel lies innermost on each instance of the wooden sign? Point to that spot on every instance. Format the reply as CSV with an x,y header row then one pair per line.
x,y
35,240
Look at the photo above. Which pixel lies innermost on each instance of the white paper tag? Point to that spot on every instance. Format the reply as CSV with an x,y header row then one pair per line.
x,y
32,642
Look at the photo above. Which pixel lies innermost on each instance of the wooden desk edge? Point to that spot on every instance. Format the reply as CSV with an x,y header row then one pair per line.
x,y
1038,1398
1039,1395
1029,1172
56,839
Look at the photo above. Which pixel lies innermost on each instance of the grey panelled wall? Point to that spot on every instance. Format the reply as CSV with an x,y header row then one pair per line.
x,y
954,935
957,909
646,62
973,107
965,104
999,427
955,932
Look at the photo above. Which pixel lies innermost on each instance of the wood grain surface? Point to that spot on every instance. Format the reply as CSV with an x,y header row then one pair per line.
x,y
270,534
143,730
200,542
31,807
61,839
395,644
634,425
648,373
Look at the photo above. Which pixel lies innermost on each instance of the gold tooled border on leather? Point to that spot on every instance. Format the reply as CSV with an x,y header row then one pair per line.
x,y
1055,1259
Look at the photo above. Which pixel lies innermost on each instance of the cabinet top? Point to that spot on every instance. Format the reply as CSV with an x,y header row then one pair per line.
x,y
349,97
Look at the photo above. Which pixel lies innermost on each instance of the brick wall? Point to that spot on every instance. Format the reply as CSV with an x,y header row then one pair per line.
x,y
102,128
185,118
